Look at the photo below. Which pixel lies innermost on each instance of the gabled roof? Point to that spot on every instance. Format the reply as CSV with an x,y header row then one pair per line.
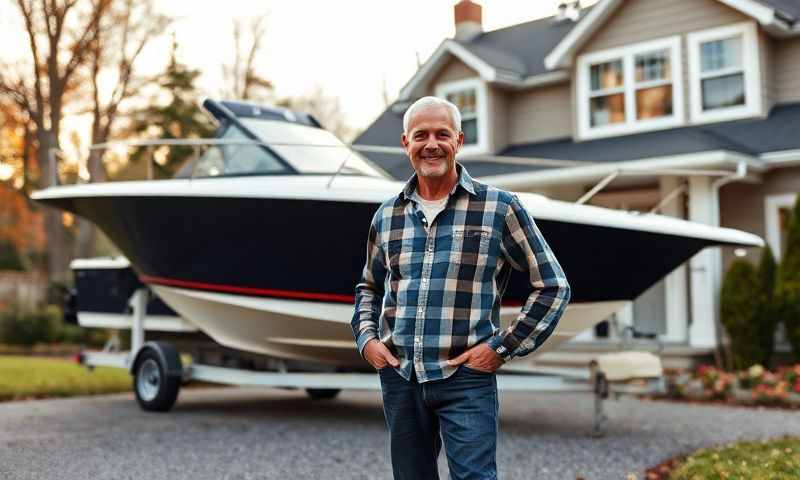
x,y
774,15
790,9
508,55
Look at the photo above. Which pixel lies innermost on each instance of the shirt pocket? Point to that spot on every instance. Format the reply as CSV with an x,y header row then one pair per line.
x,y
401,261
472,245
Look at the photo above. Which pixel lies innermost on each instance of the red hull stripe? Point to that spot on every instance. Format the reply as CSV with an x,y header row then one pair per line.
x,y
264,292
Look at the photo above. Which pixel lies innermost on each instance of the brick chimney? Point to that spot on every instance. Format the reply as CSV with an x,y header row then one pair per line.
x,y
468,20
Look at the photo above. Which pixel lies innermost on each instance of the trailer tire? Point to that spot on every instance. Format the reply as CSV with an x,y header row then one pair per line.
x,y
322,393
155,390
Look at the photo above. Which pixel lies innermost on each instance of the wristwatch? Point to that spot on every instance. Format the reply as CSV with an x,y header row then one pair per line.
x,y
503,352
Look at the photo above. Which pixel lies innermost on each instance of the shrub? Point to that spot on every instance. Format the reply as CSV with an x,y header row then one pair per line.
x,y
28,328
787,290
740,301
45,326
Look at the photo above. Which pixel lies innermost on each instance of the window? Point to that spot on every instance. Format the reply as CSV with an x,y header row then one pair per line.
x,y
630,89
724,67
465,101
607,100
470,96
777,210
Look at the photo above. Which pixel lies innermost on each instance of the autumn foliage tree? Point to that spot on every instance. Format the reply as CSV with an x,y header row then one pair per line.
x,y
21,231
59,34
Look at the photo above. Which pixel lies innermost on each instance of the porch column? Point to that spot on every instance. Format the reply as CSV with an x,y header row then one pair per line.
x,y
705,267
624,317
675,284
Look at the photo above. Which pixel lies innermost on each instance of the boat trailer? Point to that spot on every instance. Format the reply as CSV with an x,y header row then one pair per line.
x,y
158,373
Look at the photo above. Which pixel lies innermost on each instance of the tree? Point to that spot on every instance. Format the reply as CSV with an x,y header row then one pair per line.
x,y
739,305
787,289
767,313
21,230
326,109
59,34
124,32
176,118
14,145
241,77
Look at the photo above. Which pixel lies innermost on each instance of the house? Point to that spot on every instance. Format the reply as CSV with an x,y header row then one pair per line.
x,y
689,108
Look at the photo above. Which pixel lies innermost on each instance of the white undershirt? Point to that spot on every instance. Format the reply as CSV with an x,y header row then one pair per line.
x,y
431,208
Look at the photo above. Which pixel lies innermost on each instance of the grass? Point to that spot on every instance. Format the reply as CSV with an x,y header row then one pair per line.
x,y
776,459
24,377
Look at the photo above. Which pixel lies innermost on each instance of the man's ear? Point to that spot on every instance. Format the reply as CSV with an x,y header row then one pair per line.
x,y
460,141
404,140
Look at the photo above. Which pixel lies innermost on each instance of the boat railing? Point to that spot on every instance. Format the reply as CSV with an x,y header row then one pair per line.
x,y
197,146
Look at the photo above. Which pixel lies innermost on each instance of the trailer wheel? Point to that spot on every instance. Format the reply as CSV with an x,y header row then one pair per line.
x,y
155,390
322,393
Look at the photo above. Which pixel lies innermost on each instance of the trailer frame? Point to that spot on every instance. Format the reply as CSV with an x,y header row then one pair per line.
x,y
327,384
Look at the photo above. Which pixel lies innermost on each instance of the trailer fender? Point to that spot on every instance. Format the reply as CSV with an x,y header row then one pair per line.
x,y
168,355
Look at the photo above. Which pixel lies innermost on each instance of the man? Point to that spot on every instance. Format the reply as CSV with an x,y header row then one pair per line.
x,y
439,256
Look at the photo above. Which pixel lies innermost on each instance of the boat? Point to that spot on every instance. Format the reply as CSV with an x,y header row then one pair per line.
x,y
259,241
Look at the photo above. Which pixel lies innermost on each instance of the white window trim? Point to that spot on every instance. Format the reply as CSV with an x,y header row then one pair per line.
x,y
482,108
627,54
772,203
750,66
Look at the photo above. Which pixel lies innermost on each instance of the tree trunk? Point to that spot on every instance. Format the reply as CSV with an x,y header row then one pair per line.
x,y
57,248
87,232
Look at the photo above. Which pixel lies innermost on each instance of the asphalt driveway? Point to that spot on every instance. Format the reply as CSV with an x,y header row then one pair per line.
x,y
243,433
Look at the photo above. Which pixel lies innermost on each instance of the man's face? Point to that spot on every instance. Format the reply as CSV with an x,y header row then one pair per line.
x,y
431,142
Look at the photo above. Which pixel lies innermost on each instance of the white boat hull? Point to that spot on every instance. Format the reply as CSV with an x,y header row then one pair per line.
x,y
320,331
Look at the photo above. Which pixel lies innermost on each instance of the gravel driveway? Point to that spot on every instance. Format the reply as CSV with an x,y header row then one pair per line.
x,y
242,433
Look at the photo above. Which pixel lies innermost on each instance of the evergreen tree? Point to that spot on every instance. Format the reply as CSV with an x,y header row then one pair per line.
x,y
177,118
739,305
767,313
788,284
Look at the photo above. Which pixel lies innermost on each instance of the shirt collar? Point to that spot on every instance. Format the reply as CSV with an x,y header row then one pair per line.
x,y
464,179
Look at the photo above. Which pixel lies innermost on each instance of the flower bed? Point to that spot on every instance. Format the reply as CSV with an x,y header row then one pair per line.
x,y
754,386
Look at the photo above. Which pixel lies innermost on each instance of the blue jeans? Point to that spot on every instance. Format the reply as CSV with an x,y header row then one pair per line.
x,y
463,407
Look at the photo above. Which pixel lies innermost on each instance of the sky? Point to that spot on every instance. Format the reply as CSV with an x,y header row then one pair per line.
x,y
348,47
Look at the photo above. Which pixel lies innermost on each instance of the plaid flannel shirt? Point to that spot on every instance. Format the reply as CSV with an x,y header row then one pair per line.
x,y
431,288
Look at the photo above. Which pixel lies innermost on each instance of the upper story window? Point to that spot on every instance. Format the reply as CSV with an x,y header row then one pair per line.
x,y
465,101
724,72
470,96
630,89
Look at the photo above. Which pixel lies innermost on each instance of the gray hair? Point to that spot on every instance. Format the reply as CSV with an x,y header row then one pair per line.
x,y
426,102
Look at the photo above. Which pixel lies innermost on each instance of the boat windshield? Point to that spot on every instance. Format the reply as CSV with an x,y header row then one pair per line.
x,y
310,149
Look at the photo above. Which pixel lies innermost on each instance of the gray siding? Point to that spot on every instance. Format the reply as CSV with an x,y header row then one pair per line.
x,y
540,114
499,117
786,68
766,46
453,70
640,20
741,206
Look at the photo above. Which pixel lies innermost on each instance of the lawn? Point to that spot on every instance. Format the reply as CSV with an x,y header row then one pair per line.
x,y
776,459
37,377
